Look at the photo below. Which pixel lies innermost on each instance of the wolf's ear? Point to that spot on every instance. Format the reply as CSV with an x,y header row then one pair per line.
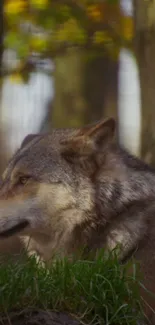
x,y
93,138
27,139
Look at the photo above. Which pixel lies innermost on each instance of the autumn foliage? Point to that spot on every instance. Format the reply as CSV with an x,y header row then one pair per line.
x,y
47,27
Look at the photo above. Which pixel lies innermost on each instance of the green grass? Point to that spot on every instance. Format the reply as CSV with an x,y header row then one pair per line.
x,y
96,292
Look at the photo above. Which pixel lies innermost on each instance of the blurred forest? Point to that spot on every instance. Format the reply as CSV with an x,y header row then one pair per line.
x,y
66,63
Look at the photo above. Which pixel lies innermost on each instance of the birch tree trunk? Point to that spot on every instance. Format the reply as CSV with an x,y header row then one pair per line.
x,y
8,247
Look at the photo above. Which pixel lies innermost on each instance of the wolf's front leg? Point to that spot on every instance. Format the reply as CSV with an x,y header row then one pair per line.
x,y
31,250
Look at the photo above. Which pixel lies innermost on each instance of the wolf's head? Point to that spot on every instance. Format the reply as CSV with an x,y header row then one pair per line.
x,y
48,186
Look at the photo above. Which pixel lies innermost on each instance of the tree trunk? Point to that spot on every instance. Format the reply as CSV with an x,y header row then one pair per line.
x,y
85,89
1,35
69,105
145,50
2,137
101,88
12,246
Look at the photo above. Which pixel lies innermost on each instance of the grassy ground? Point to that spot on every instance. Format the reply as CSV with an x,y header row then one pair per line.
x,y
97,292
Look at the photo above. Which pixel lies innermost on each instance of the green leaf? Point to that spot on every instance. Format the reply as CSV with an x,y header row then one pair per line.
x,y
11,39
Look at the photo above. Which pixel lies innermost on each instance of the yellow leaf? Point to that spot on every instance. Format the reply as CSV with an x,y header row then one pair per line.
x,y
16,78
70,31
127,28
101,37
60,35
15,6
39,4
38,43
94,12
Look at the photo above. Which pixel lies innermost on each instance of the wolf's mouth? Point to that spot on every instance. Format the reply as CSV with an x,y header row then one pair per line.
x,y
14,229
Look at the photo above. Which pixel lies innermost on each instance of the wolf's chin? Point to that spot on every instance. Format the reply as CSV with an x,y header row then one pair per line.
x,y
15,229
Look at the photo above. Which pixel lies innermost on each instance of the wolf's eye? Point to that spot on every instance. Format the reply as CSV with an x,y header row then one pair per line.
x,y
23,180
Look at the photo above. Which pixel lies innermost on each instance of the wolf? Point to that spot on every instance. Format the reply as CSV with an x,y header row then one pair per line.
x,y
74,188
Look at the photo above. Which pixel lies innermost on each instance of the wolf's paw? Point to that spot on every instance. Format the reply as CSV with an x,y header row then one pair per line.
x,y
38,259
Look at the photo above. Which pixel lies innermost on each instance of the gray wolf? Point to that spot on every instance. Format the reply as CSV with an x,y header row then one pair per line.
x,y
76,188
